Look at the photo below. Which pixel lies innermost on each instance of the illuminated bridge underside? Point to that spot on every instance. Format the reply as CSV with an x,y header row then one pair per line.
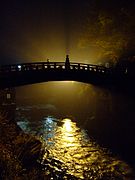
x,y
29,73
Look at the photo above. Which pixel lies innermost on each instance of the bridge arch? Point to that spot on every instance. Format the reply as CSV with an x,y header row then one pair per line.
x,y
29,73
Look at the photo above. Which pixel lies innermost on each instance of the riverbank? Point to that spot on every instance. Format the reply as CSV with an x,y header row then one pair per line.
x,y
20,152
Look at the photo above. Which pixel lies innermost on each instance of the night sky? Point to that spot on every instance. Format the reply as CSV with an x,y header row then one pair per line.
x,y
91,31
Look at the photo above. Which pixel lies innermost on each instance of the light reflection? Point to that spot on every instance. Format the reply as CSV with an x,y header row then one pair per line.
x,y
19,66
71,82
67,125
49,126
72,149
49,120
24,125
82,157
67,134
68,147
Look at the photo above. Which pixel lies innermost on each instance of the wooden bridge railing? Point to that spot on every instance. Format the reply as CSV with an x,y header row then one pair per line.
x,y
53,65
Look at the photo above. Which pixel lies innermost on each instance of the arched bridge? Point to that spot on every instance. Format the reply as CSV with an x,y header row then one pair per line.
x,y
29,73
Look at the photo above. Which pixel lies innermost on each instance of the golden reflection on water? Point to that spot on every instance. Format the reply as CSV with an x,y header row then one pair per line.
x,y
67,126
67,147
82,157
67,133
72,151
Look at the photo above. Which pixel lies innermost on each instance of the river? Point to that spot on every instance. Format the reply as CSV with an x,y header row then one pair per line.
x,y
88,131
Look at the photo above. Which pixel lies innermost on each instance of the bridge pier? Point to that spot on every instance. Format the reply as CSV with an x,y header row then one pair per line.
x,y
8,102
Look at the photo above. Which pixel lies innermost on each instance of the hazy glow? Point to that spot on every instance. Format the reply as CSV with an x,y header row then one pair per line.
x,y
68,82
90,31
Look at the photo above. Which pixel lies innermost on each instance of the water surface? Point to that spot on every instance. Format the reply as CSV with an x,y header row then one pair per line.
x,y
80,123
71,150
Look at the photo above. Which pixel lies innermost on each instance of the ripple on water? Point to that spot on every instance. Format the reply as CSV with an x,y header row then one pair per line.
x,y
72,151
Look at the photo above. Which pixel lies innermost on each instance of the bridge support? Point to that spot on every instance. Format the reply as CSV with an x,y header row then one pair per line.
x,y
8,103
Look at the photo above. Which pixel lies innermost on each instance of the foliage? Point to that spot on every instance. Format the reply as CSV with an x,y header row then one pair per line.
x,y
19,152
108,29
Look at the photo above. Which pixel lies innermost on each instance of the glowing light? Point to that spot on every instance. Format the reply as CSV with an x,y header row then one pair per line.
x,y
67,125
49,120
19,67
66,82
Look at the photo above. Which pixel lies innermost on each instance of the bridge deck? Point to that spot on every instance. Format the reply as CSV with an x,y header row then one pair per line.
x,y
28,73
52,65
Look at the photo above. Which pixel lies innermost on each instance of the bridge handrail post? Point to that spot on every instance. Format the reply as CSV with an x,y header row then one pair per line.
x,y
36,67
54,65
97,69
78,66
48,64
43,66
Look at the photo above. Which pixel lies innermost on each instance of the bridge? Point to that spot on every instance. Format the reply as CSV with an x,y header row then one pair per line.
x,y
28,73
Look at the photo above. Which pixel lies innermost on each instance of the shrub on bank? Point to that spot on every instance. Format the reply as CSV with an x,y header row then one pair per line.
x,y
19,151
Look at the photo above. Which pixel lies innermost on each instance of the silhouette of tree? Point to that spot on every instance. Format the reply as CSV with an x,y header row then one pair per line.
x,y
110,29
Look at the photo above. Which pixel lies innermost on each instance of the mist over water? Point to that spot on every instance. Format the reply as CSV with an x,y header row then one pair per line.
x,y
98,118
67,26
